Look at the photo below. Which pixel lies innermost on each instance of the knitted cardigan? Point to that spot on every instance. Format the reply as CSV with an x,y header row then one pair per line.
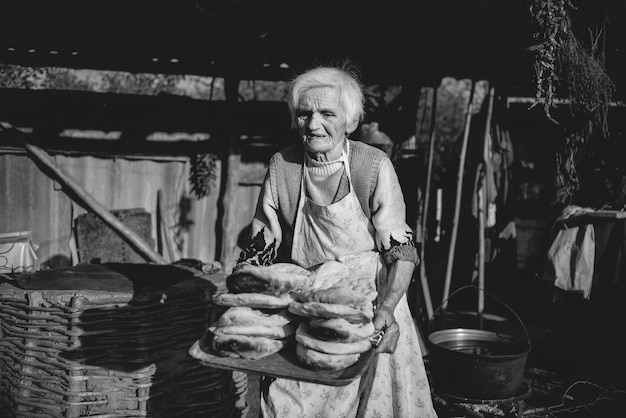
x,y
285,171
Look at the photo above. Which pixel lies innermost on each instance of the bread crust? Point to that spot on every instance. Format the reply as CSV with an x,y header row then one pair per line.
x,y
257,330
329,347
253,300
246,347
330,310
340,295
334,273
244,316
274,279
321,361
339,330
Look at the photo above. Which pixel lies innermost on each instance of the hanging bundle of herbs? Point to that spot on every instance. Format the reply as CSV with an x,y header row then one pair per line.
x,y
588,87
553,30
566,180
202,174
565,69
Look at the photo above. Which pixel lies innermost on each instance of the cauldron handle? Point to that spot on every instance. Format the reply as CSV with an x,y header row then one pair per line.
x,y
432,318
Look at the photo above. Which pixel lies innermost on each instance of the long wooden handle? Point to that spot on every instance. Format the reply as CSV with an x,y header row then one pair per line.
x,y
426,204
482,208
68,181
457,201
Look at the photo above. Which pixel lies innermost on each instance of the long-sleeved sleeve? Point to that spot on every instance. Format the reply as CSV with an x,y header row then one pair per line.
x,y
265,233
394,237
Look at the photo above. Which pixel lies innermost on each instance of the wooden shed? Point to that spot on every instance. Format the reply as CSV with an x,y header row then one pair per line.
x,y
153,122
72,86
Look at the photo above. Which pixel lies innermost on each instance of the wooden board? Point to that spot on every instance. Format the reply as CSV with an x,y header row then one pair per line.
x,y
285,364
585,218
614,214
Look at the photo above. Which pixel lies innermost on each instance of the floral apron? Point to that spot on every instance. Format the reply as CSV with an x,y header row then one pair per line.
x,y
397,385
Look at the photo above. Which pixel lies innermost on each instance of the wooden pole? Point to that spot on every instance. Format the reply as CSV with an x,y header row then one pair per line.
x,y
482,210
230,164
426,204
481,247
230,225
165,236
457,203
92,204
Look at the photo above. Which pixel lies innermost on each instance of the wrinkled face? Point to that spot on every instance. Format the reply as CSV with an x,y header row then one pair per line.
x,y
322,123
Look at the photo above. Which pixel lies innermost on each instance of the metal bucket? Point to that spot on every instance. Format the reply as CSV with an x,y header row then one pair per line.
x,y
477,363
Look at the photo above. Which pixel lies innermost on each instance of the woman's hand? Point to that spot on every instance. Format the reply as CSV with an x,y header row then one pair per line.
x,y
385,320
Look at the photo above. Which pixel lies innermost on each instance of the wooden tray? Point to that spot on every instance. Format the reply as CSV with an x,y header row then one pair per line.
x,y
285,365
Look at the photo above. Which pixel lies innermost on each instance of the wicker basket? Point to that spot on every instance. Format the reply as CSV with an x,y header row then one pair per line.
x,y
94,353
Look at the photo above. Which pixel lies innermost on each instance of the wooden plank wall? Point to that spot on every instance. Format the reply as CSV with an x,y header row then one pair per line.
x,y
30,200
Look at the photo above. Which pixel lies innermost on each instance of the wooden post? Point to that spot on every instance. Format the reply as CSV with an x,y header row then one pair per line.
x,y
232,161
162,227
457,202
229,222
481,247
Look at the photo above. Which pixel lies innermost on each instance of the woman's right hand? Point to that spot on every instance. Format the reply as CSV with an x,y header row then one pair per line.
x,y
384,320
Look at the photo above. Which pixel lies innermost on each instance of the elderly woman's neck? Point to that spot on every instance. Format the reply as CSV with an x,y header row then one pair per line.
x,y
332,155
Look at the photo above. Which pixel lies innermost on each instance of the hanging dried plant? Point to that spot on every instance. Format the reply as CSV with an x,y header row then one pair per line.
x,y
564,66
577,74
588,86
202,174
566,181
554,28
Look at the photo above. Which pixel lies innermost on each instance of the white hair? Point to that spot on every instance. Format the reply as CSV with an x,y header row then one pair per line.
x,y
346,82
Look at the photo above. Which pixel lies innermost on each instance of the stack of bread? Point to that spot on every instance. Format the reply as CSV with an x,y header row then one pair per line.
x,y
337,311
256,322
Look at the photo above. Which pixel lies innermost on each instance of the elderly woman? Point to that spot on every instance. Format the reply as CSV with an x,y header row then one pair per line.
x,y
331,198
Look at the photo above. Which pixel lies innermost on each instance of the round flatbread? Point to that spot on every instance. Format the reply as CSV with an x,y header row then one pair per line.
x,y
334,273
253,300
329,347
339,330
246,347
243,316
330,310
257,330
274,279
321,361
340,295
242,282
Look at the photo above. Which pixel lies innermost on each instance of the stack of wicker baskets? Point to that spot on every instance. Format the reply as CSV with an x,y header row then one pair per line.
x,y
102,353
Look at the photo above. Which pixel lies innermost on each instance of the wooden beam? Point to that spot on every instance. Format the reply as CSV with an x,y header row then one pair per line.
x,y
232,161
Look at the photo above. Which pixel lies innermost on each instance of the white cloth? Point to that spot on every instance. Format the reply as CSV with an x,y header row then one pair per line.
x,y
571,259
400,387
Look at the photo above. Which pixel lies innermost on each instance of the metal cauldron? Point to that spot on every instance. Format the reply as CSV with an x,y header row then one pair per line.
x,y
477,363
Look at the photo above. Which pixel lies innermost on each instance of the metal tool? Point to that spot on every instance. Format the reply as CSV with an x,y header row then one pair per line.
x,y
377,338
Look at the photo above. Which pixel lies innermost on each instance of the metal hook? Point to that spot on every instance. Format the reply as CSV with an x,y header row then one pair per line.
x,y
377,338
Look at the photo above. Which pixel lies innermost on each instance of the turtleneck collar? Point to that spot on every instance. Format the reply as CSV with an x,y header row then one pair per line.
x,y
325,168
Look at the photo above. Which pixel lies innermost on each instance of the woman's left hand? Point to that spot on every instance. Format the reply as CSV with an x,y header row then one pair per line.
x,y
385,320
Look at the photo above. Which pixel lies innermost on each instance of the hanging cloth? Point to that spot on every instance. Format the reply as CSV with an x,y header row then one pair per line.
x,y
571,259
